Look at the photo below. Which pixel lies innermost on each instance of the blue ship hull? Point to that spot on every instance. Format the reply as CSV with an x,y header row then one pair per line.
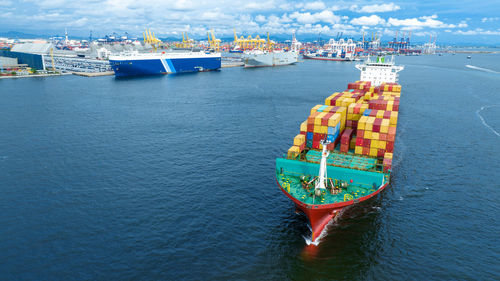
x,y
134,67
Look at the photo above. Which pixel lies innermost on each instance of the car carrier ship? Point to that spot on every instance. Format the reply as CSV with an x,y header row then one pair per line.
x,y
269,57
135,63
343,154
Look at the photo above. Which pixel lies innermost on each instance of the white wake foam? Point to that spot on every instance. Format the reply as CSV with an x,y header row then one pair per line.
x,y
484,122
481,69
324,232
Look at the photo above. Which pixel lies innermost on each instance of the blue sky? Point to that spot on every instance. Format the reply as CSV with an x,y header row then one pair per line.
x,y
451,21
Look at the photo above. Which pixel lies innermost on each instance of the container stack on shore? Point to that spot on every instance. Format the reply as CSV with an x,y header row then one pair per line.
x,y
361,120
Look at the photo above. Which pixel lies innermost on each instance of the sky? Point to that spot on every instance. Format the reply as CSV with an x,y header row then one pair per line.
x,y
458,21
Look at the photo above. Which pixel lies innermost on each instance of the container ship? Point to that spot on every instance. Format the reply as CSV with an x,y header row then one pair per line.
x,y
134,63
343,153
328,56
258,58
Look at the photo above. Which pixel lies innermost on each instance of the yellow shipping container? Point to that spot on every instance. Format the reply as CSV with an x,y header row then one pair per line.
x,y
388,155
380,114
358,149
350,109
375,136
327,100
317,120
303,126
368,135
390,104
315,108
323,129
362,122
374,143
369,123
382,144
293,152
328,108
299,140
334,120
352,144
394,118
317,129
384,128
364,107
373,152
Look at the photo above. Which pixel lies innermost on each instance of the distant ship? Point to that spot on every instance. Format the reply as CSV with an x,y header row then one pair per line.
x,y
340,50
256,58
134,63
330,57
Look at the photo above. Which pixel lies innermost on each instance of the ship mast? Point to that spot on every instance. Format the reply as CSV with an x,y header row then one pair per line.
x,y
322,169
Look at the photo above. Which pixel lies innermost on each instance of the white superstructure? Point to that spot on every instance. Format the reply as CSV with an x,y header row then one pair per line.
x,y
379,70
256,58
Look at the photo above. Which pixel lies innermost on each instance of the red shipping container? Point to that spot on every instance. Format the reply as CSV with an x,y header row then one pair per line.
x,y
359,141
380,152
316,144
348,123
395,107
344,148
389,147
346,136
318,137
392,130
310,119
391,137
330,146
324,120
303,146
310,127
361,133
376,128
366,143
356,109
366,151
387,114
382,137
303,133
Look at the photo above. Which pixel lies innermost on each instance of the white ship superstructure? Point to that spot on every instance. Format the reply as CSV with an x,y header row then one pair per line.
x,y
255,58
379,70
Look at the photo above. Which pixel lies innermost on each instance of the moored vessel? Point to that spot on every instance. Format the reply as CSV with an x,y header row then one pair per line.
x,y
343,153
134,63
270,57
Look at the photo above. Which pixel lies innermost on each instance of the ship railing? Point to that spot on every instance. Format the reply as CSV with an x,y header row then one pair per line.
x,y
298,175
379,168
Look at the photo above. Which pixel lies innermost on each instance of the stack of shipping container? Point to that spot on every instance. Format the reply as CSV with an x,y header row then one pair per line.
x,y
363,119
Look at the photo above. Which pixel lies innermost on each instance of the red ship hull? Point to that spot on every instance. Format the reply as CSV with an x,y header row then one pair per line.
x,y
319,215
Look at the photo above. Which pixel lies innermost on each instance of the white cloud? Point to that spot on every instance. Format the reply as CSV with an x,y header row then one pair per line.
x,y
5,3
462,24
478,31
260,6
490,19
376,8
260,18
419,23
318,5
324,16
371,20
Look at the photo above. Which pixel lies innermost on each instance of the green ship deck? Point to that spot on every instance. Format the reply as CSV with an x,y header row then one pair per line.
x,y
363,171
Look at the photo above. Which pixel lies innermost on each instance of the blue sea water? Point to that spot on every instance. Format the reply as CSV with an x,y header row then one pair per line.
x,y
172,177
